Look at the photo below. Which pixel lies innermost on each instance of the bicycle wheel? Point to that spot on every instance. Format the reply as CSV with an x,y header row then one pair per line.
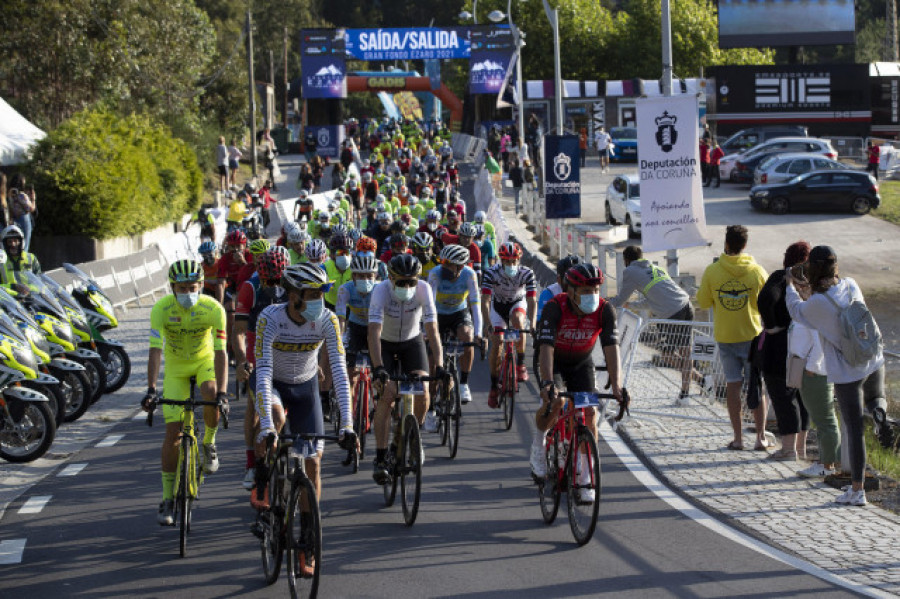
x,y
454,412
411,470
583,470
549,490
272,521
509,395
304,539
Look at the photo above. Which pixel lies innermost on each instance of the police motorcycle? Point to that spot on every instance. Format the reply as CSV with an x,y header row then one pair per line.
x,y
101,317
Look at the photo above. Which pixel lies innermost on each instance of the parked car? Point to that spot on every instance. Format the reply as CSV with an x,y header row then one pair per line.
x,y
819,191
623,203
779,145
745,139
779,168
624,144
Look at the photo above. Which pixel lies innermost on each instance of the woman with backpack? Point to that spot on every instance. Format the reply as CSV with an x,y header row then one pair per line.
x,y
853,352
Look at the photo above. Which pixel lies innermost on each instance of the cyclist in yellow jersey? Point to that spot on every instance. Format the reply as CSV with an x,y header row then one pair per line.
x,y
189,329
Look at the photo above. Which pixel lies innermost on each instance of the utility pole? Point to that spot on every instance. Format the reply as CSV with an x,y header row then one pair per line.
x,y
284,112
251,92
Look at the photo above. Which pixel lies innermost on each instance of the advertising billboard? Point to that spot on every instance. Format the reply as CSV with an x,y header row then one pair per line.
x,y
753,24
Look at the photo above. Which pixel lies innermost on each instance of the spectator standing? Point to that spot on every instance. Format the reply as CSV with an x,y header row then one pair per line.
x,y
516,176
704,161
854,383
715,157
601,141
234,161
873,153
222,164
730,286
583,145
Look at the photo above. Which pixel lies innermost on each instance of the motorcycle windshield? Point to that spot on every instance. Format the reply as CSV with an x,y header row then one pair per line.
x,y
42,295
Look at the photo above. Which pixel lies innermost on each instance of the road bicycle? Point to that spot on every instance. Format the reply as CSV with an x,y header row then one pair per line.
x,y
447,402
509,385
188,471
573,463
292,523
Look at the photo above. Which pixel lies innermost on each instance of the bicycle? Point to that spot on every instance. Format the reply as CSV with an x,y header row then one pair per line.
x,y
447,402
362,394
565,470
282,528
509,385
188,471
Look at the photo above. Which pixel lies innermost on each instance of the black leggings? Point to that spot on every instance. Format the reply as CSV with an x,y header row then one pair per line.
x,y
850,397
790,413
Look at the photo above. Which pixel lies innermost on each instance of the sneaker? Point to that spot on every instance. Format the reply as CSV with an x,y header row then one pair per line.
x,y
249,479
431,422
166,514
465,396
493,396
538,461
815,470
521,373
380,473
210,458
851,497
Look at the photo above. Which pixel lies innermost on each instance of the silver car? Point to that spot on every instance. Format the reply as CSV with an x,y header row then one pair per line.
x,y
784,167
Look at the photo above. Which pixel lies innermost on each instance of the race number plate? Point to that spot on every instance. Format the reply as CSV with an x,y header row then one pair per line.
x,y
412,388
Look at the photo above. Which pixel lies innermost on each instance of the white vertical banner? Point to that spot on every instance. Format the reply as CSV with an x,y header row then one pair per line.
x,y
672,212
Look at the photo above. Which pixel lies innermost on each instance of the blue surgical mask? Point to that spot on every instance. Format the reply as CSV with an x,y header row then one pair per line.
x,y
187,300
589,302
364,286
342,262
511,271
313,309
404,294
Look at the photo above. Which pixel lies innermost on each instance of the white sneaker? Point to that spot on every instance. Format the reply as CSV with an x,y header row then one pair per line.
x,y
465,396
249,479
431,422
538,460
851,497
815,470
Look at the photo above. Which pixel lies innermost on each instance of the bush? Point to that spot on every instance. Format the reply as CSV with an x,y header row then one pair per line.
x,y
102,175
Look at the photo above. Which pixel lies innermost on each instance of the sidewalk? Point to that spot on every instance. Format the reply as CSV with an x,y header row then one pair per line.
x,y
685,446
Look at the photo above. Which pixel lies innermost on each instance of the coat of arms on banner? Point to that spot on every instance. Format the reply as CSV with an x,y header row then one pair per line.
x,y
666,135
562,166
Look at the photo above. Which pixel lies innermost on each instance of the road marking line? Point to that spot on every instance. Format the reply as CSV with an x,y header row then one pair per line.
x,y
11,551
71,470
109,441
646,478
35,504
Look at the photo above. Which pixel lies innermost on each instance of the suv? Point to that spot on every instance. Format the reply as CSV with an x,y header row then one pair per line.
x,y
728,166
745,139
623,203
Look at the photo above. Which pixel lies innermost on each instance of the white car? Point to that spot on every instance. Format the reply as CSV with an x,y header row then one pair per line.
x,y
779,168
779,144
623,203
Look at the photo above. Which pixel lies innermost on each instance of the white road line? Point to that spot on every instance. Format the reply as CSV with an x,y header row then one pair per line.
x,y
109,441
646,478
35,504
11,551
71,470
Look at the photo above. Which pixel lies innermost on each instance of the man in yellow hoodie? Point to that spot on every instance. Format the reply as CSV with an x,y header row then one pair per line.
x,y
730,286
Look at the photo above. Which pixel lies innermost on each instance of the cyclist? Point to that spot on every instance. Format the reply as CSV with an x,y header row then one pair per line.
x,y
466,239
397,308
508,300
190,329
256,293
210,263
453,282
571,324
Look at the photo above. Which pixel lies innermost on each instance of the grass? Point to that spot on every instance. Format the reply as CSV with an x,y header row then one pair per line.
x,y
890,202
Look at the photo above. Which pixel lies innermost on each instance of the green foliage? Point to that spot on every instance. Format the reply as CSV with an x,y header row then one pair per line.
x,y
100,175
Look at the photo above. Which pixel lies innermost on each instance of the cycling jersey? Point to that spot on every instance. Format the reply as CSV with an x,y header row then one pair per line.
x,y
349,298
187,334
572,336
252,299
400,320
450,296
505,289
546,295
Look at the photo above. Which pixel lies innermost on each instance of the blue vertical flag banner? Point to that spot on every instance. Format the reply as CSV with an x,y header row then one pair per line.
x,y
322,63
562,176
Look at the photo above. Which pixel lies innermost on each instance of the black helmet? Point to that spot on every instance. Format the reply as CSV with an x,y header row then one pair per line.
x,y
405,265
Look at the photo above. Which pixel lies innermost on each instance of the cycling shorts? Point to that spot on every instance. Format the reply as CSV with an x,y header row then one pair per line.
x,y
303,408
450,323
501,312
357,339
177,382
410,354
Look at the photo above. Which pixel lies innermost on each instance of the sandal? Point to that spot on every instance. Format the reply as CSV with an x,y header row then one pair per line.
x,y
734,447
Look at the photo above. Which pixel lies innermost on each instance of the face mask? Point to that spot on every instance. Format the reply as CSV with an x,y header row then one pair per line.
x,y
187,300
404,294
313,309
511,271
589,302
342,262
364,286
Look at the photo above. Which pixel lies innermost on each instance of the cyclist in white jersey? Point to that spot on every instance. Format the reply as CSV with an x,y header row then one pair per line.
x,y
397,308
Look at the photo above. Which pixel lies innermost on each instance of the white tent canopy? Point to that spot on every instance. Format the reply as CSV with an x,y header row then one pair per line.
x,y
17,135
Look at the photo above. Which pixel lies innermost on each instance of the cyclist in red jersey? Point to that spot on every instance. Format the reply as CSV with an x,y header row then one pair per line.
x,y
569,327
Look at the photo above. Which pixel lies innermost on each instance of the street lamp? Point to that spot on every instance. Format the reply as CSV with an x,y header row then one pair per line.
x,y
496,16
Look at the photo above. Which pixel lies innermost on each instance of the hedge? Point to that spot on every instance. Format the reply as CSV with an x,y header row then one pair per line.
x,y
102,175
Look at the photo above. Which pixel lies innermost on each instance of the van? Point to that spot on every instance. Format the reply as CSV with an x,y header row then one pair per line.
x,y
747,138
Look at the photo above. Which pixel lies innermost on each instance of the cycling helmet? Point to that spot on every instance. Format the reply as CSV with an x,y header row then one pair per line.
x,y
455,254
480,217
298,277
398,239
423,240
433,215
236,237
584,275
207,247
467,230
563,266
405,265
296,236
259,246
340,242
510,251
316,251
364,265
184,271
271,266
366,244
12,231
